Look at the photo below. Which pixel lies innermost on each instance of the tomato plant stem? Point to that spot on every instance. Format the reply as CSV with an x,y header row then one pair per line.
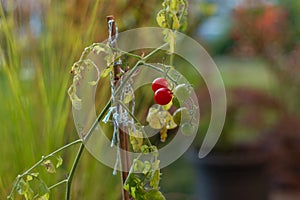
x,y
70,177
41,161
57,184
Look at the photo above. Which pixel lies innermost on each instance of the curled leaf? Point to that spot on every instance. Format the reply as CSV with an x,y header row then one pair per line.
x,y
59,161
92,83
161,19
136,139
24,189
49,166
97,49
76,101
29,177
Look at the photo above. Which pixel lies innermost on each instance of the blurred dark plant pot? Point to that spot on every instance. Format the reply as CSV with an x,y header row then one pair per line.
x,y
232,176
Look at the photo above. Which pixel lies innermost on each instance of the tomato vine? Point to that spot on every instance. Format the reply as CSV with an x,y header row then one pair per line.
x,y
141,182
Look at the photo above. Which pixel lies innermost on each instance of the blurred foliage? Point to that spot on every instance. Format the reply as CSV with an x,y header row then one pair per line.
x,y
39,42
271,32
268,31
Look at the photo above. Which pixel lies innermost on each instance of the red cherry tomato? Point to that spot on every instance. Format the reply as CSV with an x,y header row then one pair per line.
x,y
159,83
163,96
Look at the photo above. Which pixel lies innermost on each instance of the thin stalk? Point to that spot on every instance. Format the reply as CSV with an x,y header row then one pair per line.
x,y
57,184
160,70
41,161
51,154
105,109
70,177
171,59
154,52
128,54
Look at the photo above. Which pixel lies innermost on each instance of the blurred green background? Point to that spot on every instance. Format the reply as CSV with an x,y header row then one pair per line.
x,y
255,44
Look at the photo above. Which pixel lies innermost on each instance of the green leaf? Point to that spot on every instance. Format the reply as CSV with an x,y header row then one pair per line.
x,y
49,166
24,189
132,192
59,161
40,189
126,186
138,165
147,167
145,149
154,181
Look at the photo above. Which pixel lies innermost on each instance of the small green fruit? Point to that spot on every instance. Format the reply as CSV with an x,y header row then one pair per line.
x,y
188,129
182,92
182,115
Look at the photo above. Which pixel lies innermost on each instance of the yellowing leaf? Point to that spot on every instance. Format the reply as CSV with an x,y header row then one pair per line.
x,y
105,72
29,177
98,49
49,166
34,174
24,189
174,4
92,83
76,101
153,118
170,124
161,19
136,139
59,162
175,24
163,134
46,196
